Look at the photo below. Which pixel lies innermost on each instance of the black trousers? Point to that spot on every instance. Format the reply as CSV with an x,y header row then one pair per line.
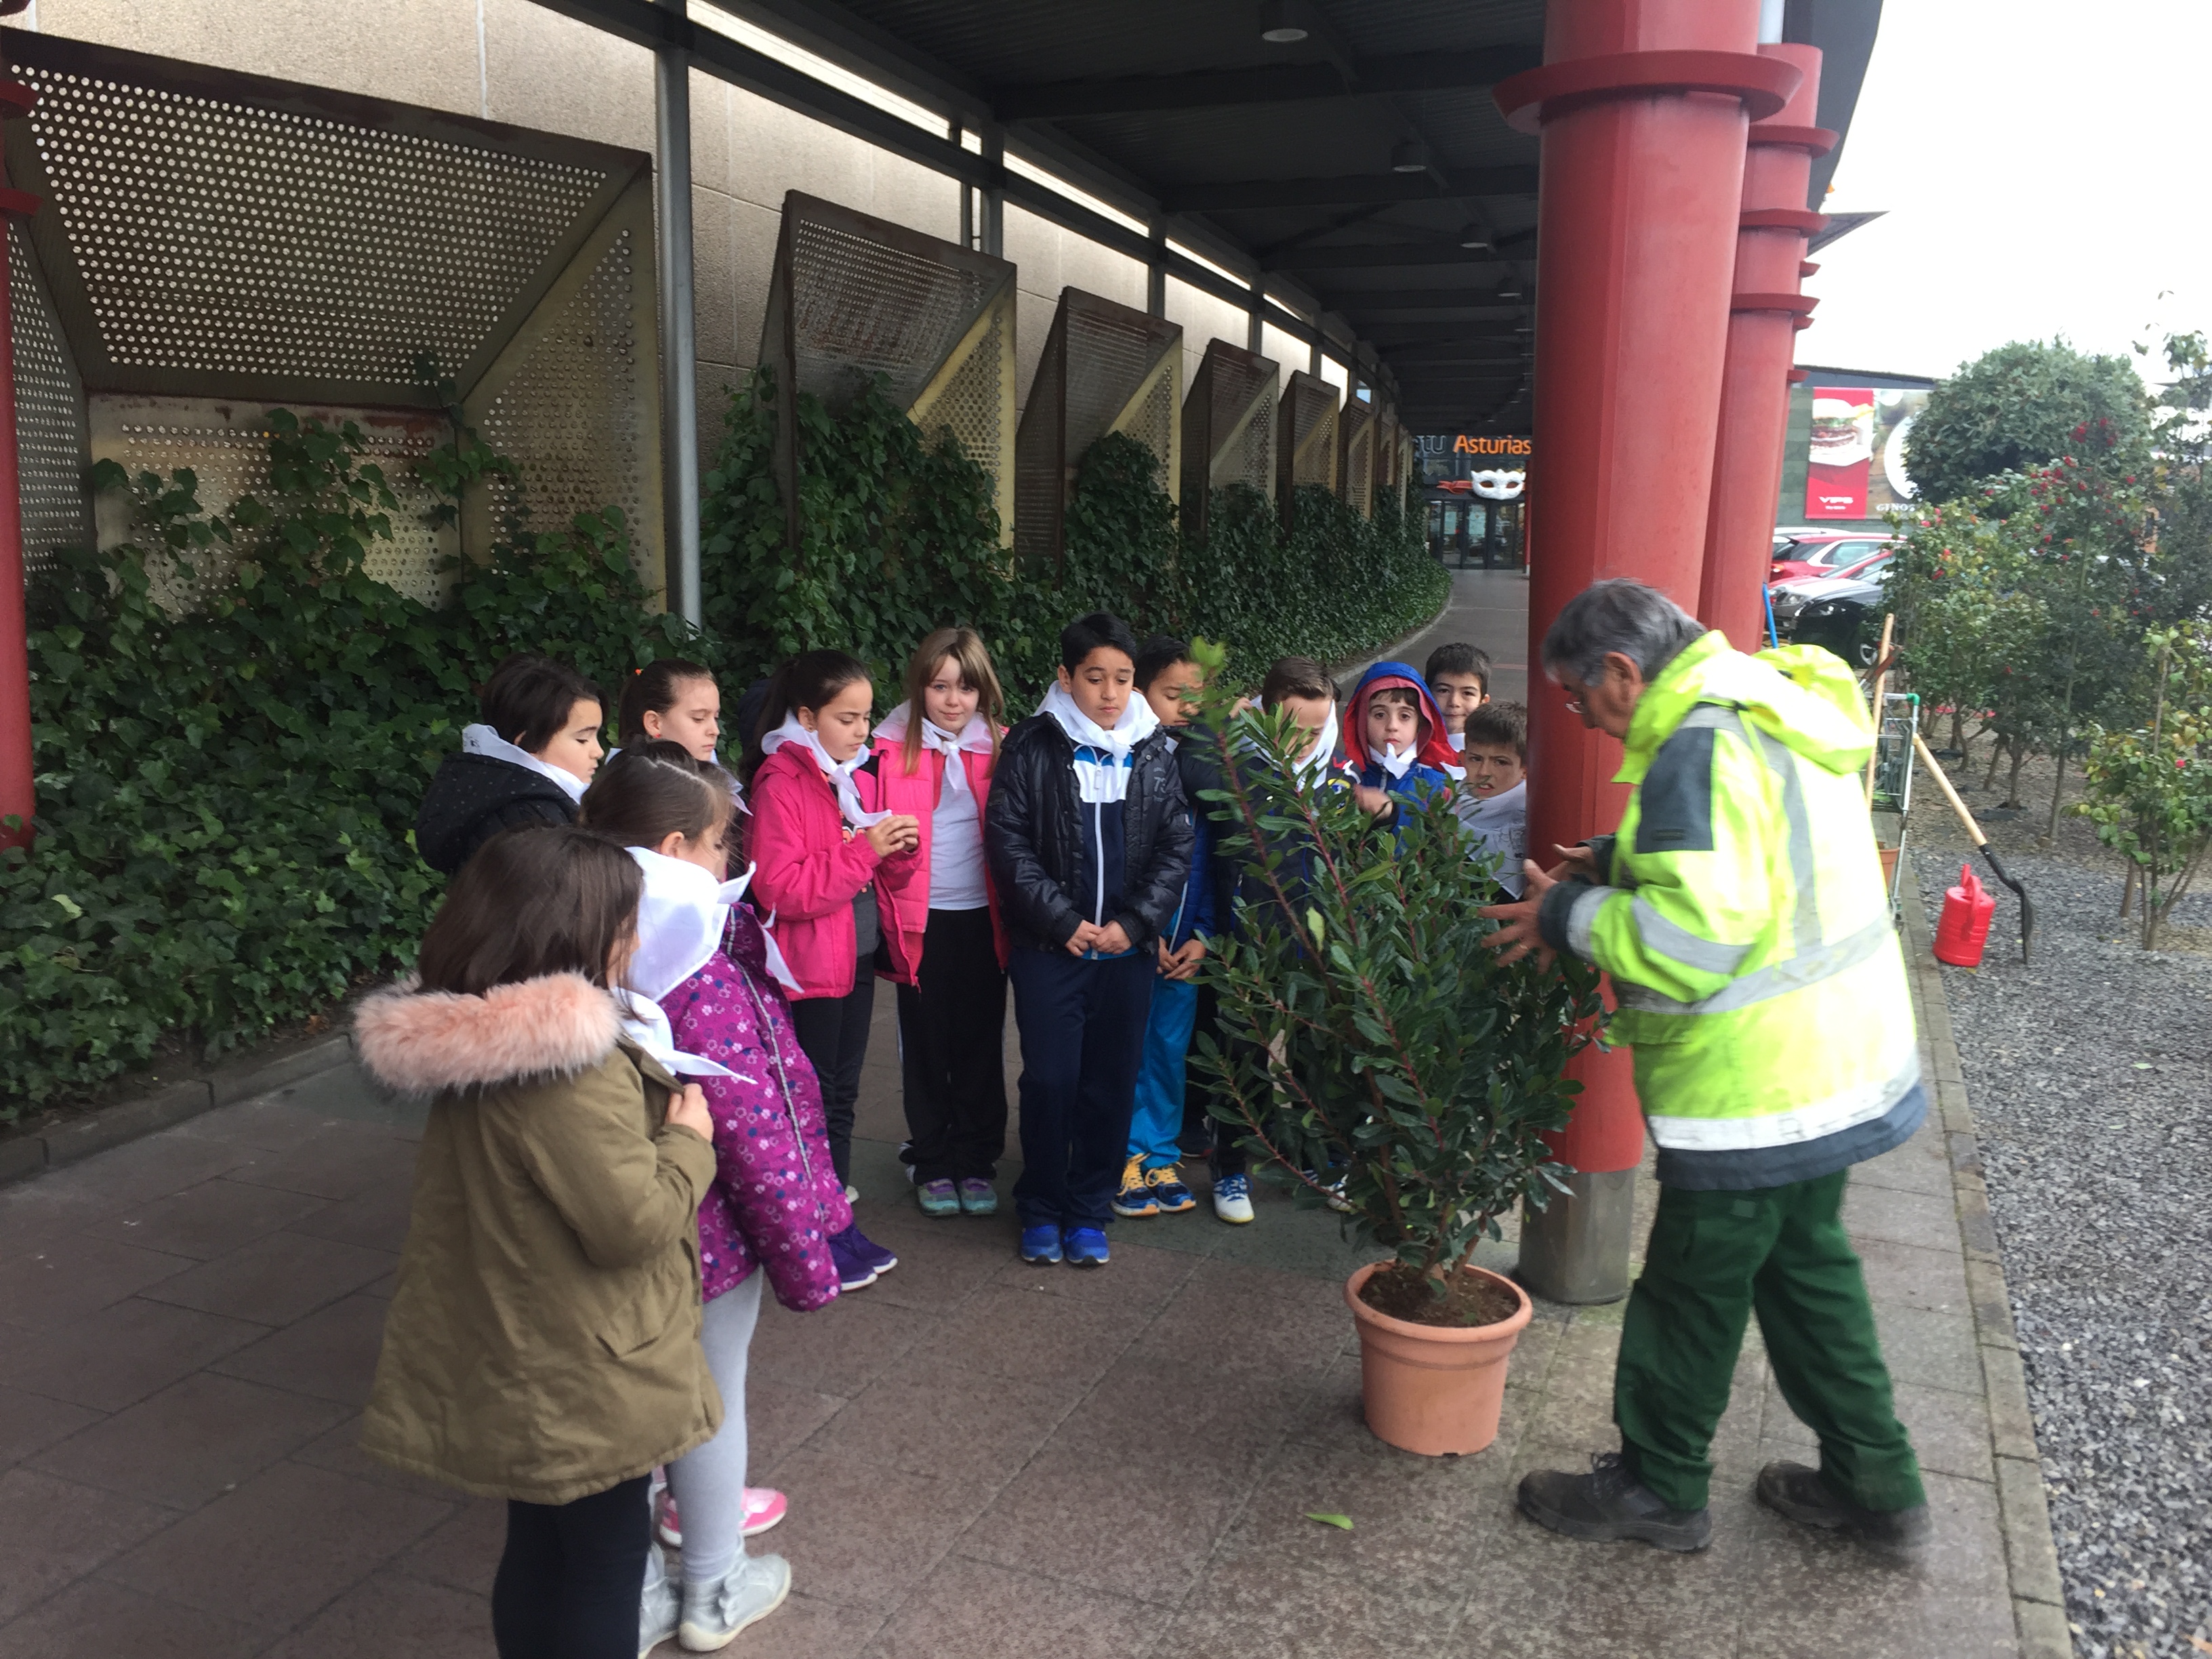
x,y
952,1051
833,1031
571,1577
1082,1040
1204,1135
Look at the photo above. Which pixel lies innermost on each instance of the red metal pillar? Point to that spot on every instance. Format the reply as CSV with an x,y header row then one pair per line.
x,y
1644,106
1765,313
18,800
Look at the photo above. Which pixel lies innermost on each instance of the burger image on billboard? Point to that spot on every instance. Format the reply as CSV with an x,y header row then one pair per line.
x,y
1843,432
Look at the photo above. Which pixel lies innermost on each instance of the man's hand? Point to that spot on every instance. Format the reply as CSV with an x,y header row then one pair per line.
x,y
1516,935
1580,859
1085,936
1182,964
1111,940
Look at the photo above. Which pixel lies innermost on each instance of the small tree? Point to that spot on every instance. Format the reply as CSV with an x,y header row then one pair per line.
x,y
2022,405
1364,1026
2150,790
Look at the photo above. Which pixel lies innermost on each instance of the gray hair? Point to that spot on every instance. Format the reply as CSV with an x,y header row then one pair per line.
x,y
1640,623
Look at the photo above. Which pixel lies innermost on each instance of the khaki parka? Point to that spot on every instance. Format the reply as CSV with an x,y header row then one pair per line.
x,y
543,1341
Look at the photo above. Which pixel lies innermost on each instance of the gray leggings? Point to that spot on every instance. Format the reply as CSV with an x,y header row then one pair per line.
x,y
709,1481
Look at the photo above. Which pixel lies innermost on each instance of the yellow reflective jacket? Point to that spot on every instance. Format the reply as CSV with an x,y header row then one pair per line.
x,y
1741,913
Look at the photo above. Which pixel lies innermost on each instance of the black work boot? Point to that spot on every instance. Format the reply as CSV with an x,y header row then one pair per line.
x,y
1610,1503
1793,1490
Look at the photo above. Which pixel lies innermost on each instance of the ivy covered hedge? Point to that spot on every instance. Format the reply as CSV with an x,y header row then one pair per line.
x,y
226,794
900,537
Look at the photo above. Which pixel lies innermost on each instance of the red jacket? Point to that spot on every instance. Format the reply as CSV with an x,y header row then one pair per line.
x,y
903,888
809,865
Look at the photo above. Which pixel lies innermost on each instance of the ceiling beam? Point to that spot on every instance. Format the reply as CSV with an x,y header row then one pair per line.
x,y
1271,83
1352,189
1382,256
1393,299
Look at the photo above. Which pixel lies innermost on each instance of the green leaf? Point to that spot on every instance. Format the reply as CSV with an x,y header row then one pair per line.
x,y
1343,1522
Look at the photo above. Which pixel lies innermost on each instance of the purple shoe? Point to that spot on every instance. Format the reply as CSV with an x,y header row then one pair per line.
x,y
854,1272
881,1260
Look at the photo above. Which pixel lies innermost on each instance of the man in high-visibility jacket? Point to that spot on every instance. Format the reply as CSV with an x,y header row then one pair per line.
x,y
1741,911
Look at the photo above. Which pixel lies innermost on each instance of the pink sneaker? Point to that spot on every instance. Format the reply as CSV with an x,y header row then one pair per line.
x,y
667,1526
764,1507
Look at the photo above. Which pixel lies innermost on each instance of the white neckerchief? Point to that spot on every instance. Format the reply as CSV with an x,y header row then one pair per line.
x,y
482,741
1311,766
840,776
1102,776
1458,742
974,738
679,927
1396,764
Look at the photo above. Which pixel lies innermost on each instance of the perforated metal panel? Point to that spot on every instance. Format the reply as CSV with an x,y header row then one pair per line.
x,y
1106,368
51,454
227,448
852,296
1306,449
1229,428
1355,469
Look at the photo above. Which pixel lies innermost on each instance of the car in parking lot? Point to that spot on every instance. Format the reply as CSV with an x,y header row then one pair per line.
x,y
1836,611
1815,553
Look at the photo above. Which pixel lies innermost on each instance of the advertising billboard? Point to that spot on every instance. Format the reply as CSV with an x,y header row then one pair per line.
x,y
1855,459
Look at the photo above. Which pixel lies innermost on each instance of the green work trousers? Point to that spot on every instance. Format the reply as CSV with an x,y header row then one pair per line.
x,y
1716,1258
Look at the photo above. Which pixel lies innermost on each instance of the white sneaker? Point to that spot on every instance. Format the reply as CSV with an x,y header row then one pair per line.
x,y
1232,1199
661,1610
1337,1201
851,1194
714,1613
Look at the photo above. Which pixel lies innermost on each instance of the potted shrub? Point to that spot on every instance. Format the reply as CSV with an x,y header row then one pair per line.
x,y
1374,1052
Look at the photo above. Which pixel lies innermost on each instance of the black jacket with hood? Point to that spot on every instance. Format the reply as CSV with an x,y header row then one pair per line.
x,y
473,798
1042,845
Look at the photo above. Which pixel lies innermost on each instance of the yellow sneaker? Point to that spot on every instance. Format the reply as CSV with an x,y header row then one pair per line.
x,y
1169,1190
1136,1197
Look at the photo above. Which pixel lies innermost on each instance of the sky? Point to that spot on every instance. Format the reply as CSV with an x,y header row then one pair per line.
x,y
2039,164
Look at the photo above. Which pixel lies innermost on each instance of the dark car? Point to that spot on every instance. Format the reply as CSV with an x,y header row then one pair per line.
x,y
1820,553
1844,615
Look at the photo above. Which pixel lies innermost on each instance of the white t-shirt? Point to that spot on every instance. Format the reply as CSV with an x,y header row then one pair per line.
x,y
956,851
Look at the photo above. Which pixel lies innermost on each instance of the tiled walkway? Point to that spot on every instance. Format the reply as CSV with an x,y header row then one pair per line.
x,y
983,1459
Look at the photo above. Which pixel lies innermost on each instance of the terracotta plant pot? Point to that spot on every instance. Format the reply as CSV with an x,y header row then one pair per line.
x,y
1431,1389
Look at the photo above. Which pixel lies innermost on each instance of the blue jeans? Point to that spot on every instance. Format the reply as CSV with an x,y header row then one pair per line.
x,y
1156,1125
1082,1022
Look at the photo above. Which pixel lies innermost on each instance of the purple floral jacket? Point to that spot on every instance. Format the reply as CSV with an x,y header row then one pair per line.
x,y
776,1198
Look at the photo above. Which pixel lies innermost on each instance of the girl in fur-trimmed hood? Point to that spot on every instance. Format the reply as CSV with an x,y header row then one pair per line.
x,y
543,1341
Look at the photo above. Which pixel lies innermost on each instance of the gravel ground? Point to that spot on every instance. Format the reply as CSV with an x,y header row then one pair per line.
x,y
2090,1076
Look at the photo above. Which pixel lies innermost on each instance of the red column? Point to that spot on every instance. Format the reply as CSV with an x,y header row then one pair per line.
x,y
1643,107
17,798
1765,313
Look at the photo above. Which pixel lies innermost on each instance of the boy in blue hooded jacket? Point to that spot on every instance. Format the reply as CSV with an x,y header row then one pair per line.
x,y
1394,740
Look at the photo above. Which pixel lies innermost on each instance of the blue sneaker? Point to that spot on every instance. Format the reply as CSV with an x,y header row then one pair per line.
x,y
1086,1246
939,1197
1041,1246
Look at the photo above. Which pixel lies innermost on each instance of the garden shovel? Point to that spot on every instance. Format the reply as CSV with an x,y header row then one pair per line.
x,y
1981,842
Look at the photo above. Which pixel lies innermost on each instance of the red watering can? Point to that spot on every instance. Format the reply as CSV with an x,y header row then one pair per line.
x,y
1963,928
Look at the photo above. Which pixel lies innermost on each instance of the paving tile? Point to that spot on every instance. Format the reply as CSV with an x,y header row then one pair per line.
x,y
779,1420
932,1415
1137,1538
329,1355
190,1442
54,1531
338,1450
1950,1432
342,1161
388,1613
1234,1326
1922,1165
68,1278
1903,1276
862,1535
1246,1610
210,1219
382,1288
803,1627
31,1422
271,1123
276,1279
935,1274
1223,1429
122,1353
980,1611
1937,1349
1140,1275
839,1349
280,1548
94,1620
462,1551
137,1172
34,1213
375,1217
1034,1337
1930,1220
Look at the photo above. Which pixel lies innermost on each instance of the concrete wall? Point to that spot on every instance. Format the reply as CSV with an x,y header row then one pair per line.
x,y
514,61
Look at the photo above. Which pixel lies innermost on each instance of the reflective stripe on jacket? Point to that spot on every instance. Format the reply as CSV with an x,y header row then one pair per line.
x,y
1741,913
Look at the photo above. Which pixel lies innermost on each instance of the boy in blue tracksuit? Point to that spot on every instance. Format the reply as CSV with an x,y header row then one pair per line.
x,y
1169,679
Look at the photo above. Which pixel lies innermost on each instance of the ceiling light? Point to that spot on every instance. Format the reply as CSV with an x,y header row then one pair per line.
x,y
1278,27
1473,236
1411,156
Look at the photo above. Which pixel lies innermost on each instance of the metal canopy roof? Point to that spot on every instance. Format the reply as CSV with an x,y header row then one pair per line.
x,y
1346,170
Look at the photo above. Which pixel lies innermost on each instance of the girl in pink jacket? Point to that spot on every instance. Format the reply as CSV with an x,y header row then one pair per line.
x,y
935,753
819,838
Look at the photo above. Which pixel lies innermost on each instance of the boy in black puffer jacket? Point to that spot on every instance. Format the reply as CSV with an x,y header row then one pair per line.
x,y
1089,841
